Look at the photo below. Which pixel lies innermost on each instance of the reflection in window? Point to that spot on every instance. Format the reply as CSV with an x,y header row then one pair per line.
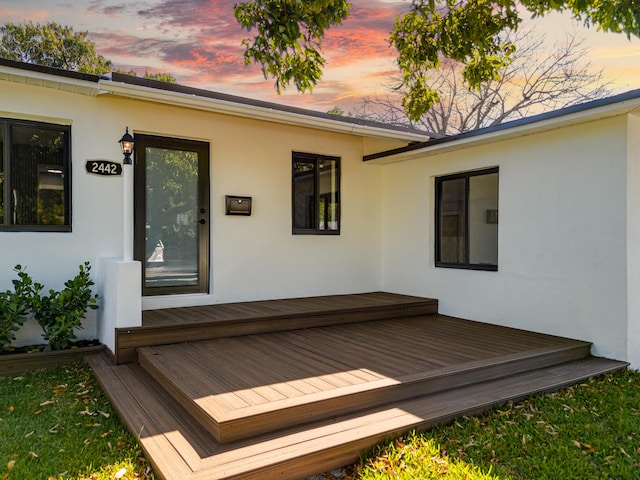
x,y
2,129
171,255
467,220
34,176
50,195
316,204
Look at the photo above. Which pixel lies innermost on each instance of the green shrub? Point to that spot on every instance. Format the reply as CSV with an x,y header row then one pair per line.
x,y
61,313
15,306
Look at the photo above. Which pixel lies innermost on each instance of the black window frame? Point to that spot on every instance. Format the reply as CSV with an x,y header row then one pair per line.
x,y
466,265
7,125
315,159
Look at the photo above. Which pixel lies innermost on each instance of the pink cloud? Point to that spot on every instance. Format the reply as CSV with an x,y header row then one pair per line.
x,y
96,6
201,40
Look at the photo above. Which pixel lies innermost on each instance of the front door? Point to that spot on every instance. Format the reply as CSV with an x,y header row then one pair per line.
x,y
172,214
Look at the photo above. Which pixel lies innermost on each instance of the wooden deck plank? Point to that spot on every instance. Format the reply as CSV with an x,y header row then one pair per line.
x,y
301,352
254,371
257,373
270,308
375,342
485,331
146,418
289,371
383,361
388,390
197,379
267,344
476,337
225,320
241,386
238,356
458,342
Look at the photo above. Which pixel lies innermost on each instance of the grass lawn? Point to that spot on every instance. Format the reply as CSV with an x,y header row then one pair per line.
x,y
589,431
58,424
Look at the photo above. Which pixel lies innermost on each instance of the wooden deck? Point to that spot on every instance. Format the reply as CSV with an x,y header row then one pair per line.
x,y
242,386
167,326
357,307
296,401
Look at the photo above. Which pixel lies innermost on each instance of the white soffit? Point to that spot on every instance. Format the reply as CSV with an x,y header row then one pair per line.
x,y
251,111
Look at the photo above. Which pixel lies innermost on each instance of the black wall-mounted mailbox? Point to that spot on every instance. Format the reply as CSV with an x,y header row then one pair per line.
x,y
235,205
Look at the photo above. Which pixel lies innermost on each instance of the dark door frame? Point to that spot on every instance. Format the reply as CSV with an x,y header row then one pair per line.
x,y
203,219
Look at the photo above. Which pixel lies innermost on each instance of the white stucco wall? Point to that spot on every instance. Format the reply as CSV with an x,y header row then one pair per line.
x,y
561,238
53,258
258,257
633,239
252,258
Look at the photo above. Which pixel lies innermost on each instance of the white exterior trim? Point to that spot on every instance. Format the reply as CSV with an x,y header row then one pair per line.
x,y
499,135
73,85
105,86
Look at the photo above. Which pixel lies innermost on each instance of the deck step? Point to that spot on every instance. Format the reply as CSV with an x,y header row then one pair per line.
x,y
247,386
168,326
181,449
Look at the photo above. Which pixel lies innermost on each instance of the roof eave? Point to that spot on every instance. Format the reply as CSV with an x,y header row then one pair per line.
x,y
80,84
490,135
255,112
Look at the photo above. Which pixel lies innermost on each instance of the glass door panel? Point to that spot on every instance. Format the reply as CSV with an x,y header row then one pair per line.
x,y
172,223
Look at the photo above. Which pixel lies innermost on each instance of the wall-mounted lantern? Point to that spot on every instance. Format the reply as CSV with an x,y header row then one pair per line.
x,y
126,143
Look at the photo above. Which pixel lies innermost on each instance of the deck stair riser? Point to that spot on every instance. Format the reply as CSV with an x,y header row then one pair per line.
x,y
168,326
228,426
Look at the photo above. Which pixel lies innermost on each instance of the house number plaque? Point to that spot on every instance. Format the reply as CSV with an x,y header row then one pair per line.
x,y
104,167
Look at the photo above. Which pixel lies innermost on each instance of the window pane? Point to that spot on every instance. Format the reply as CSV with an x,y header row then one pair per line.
x,y
37,175
483,219
2,182
304,195
171,257
452,221
328,179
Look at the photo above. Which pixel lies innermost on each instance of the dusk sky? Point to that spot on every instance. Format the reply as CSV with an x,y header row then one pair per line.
x,y
199,42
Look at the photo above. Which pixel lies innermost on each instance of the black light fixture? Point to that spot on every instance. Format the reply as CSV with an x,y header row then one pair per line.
x,y
126,143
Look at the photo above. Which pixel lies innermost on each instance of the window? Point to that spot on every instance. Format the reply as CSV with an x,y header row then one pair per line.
x,y
467,220
34,176
316,194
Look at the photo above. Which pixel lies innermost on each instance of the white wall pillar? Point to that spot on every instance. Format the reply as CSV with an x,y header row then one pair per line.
x,y
127,214
633,240
121,282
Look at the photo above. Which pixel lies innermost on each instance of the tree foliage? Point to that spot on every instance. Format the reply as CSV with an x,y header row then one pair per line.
x,y
472,32
161,77
51,45
289,37
536,80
